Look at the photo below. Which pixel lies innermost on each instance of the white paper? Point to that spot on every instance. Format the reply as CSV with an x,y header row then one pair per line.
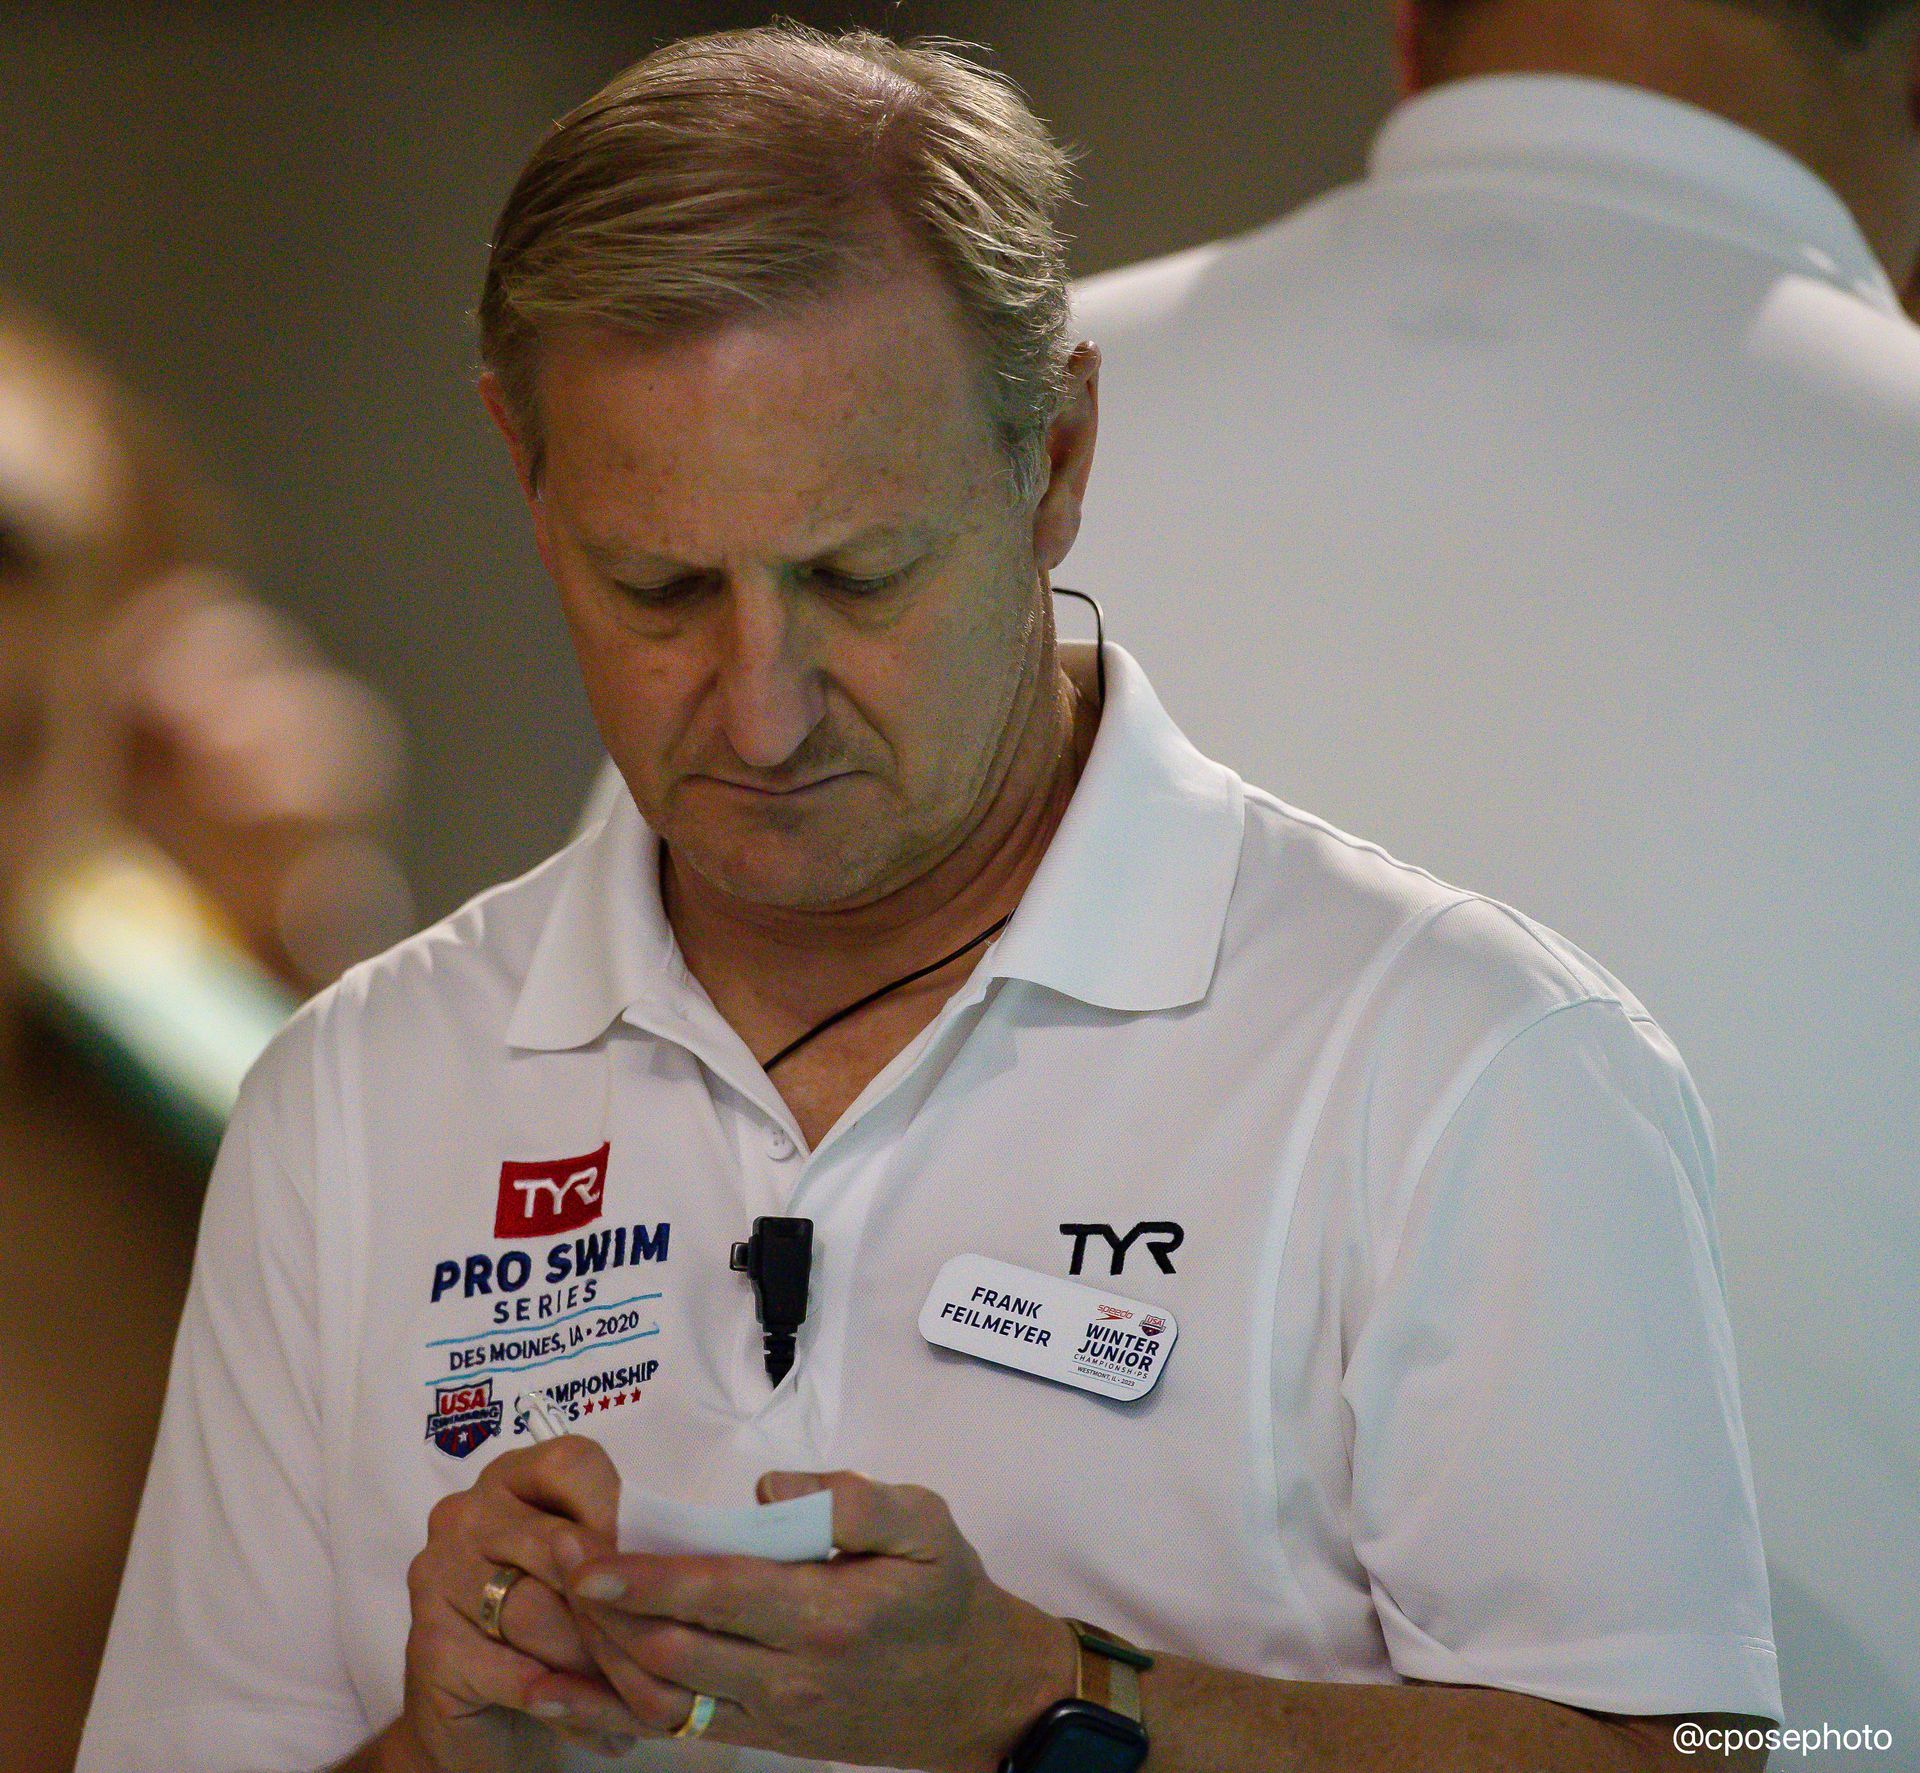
x,y
794,1532
799,1531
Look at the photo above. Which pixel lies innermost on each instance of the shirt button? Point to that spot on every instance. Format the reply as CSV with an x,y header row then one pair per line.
x,y
780,1145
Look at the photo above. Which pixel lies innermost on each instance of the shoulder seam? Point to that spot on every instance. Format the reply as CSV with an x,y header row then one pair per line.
x,y
1442,1120
453,926
1569,979
1294,815
1461,895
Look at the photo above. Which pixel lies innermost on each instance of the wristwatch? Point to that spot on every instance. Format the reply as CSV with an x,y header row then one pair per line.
x,y
1098,1730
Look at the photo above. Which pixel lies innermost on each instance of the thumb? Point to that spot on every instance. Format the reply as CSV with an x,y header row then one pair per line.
x,y
784,1486
891,1520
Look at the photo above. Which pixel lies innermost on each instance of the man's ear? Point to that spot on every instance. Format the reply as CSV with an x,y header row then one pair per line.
x,y
494,398
1070,441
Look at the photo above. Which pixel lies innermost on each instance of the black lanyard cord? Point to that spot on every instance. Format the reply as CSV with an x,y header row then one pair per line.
x,y
793,1046
1099,640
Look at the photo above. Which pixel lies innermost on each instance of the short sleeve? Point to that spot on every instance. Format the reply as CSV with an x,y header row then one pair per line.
x,y
1551,1491
224,1653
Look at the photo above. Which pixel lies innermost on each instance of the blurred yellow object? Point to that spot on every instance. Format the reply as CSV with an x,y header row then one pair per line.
x,y
129,958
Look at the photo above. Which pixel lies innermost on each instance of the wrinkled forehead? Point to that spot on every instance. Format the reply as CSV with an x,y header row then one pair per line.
x,y
870,398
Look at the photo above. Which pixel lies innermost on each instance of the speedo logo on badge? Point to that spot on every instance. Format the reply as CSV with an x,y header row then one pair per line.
x,y
558,1194
464,1416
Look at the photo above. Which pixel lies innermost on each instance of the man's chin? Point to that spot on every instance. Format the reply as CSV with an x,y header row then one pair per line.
x,y
811,853
778,877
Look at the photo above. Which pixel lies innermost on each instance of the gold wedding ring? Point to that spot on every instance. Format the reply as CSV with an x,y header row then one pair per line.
x,y
494,1596
704,1706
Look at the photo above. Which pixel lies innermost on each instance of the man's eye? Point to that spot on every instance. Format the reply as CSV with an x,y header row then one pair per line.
x,y
667,596
854,584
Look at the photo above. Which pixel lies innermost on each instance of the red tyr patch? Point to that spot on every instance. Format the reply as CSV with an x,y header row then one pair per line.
x,y
558,1195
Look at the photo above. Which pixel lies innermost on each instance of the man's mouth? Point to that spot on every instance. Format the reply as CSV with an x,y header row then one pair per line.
x,y
781,791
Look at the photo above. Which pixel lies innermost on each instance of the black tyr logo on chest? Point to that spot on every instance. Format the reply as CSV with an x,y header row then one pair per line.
x,y
1161,1236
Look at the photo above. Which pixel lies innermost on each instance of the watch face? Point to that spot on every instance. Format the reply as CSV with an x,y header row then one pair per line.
x,y
1080,1738
1078,1750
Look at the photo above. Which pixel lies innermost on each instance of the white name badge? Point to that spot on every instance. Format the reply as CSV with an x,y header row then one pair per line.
x,y
1041,1324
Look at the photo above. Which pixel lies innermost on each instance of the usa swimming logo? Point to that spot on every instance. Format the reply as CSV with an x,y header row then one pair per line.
x,y
463,1417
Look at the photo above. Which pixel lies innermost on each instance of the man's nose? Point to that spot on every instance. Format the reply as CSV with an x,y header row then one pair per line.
x,y
770,691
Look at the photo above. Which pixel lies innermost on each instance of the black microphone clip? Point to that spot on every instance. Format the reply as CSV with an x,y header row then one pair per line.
x,y
778,1259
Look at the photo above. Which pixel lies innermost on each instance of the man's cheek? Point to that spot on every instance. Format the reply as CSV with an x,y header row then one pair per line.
x,y
652,726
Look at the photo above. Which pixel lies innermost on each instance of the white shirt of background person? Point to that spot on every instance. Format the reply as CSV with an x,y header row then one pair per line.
x,y
1553,489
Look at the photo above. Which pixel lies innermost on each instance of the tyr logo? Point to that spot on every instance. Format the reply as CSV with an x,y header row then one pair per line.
x,y
537,1198
1162,1237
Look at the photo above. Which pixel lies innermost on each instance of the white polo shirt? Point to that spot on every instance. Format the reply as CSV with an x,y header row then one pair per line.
x,y
1453,1395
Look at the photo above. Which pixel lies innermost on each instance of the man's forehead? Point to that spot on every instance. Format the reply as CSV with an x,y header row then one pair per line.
x,y
883,364
858,423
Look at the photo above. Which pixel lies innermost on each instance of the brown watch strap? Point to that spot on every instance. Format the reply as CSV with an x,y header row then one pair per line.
x,y
1109,1669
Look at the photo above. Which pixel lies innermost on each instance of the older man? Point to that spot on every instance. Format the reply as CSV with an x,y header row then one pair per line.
x,y
1315,1261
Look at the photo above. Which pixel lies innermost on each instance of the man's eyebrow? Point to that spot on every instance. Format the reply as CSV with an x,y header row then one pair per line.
x,y
616,558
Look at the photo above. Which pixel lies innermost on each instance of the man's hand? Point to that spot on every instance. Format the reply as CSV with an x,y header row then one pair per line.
x,y
898,1652
469,1699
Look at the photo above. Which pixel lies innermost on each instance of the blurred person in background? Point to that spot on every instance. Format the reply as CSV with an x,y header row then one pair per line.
x,y
1556,488
165,743
148,692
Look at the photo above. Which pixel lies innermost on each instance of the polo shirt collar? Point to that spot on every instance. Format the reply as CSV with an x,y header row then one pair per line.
x,y
1127,907
1125,911
1633,148
606,948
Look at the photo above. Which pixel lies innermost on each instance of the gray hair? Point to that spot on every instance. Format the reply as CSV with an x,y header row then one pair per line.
x,y
747,172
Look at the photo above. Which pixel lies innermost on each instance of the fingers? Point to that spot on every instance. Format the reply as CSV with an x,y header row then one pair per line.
x,y
536,1619
781,1606
462,1670
659,1702
684,1657
890,1520
474,1533
571,1476
462,1681
776,1605
505,1530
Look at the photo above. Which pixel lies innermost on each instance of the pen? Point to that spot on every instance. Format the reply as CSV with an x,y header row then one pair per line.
x,y
545,1419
